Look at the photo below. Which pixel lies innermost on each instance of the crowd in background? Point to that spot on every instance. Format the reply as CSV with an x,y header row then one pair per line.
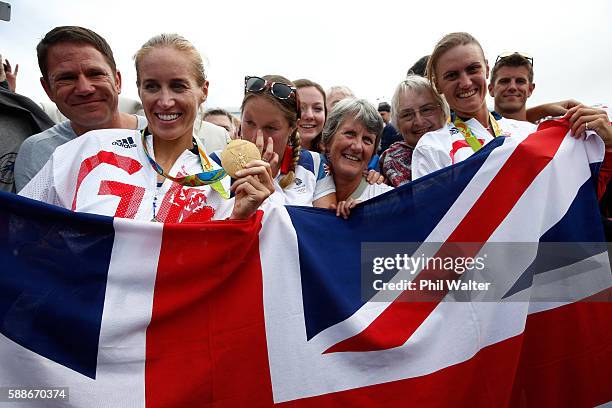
x,y
159,158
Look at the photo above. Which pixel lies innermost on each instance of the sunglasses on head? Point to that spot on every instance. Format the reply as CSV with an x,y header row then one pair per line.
x,y
277,89
509,54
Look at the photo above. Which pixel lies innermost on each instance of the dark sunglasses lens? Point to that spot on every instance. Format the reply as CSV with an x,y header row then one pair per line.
x,y
281,91
255,84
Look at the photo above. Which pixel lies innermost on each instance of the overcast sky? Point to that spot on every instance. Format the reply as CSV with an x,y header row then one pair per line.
x,y
366,45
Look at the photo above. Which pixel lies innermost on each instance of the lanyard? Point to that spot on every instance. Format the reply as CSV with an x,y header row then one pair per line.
x,y
210,176
469,136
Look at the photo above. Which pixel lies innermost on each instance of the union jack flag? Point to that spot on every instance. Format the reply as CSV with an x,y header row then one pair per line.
x,y
271,310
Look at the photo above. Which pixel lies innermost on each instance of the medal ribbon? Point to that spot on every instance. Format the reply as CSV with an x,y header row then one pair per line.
x,y
469,136
210,176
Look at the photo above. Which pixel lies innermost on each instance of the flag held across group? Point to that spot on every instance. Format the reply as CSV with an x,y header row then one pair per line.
x,y
271,310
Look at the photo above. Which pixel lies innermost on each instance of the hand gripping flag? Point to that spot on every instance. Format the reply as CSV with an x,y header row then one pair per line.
x,y
272,310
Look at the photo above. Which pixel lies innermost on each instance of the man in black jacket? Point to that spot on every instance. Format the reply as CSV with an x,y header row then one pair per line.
x,y
20,118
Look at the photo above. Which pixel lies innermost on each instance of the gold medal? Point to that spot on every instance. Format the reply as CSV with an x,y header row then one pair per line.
x,y
237,154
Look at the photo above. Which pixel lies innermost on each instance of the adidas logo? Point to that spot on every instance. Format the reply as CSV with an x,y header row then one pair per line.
x,y
298,181
127,143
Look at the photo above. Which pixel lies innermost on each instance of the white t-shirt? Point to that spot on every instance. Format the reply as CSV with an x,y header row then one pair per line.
x,y
107,172
301,190
365,190
443,147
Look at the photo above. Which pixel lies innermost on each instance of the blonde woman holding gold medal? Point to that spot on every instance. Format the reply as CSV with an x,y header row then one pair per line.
x,y
162,173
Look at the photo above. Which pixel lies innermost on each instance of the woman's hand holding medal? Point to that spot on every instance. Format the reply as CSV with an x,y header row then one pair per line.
x,y
253,176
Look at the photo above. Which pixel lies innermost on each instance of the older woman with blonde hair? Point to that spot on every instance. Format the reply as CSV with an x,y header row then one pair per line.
x,y
161,173
416,108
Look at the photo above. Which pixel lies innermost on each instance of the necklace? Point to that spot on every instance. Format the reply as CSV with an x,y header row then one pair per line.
x,y
210,176
469,137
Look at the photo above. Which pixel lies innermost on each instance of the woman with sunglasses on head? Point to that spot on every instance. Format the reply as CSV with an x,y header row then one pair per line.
x,y
270,113
162,173
416,108
351,136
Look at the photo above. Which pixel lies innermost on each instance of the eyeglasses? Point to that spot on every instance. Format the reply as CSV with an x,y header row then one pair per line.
x,y
505,55
426,111
277,89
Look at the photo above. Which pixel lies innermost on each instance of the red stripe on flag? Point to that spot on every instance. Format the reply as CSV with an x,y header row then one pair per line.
x,y
566,357
563,359
400,320
206,339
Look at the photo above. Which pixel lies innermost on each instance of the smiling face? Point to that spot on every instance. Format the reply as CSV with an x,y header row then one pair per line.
x,y
461,76
511,89
83,86
312,120
351,149
418,113
259,113
169,93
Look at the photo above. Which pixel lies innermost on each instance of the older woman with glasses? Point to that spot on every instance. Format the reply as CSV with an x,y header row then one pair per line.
x,y
350,136
161,173
416,108
270,114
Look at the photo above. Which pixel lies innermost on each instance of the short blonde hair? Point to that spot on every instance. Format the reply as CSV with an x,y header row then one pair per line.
x,y
417,84
179,43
